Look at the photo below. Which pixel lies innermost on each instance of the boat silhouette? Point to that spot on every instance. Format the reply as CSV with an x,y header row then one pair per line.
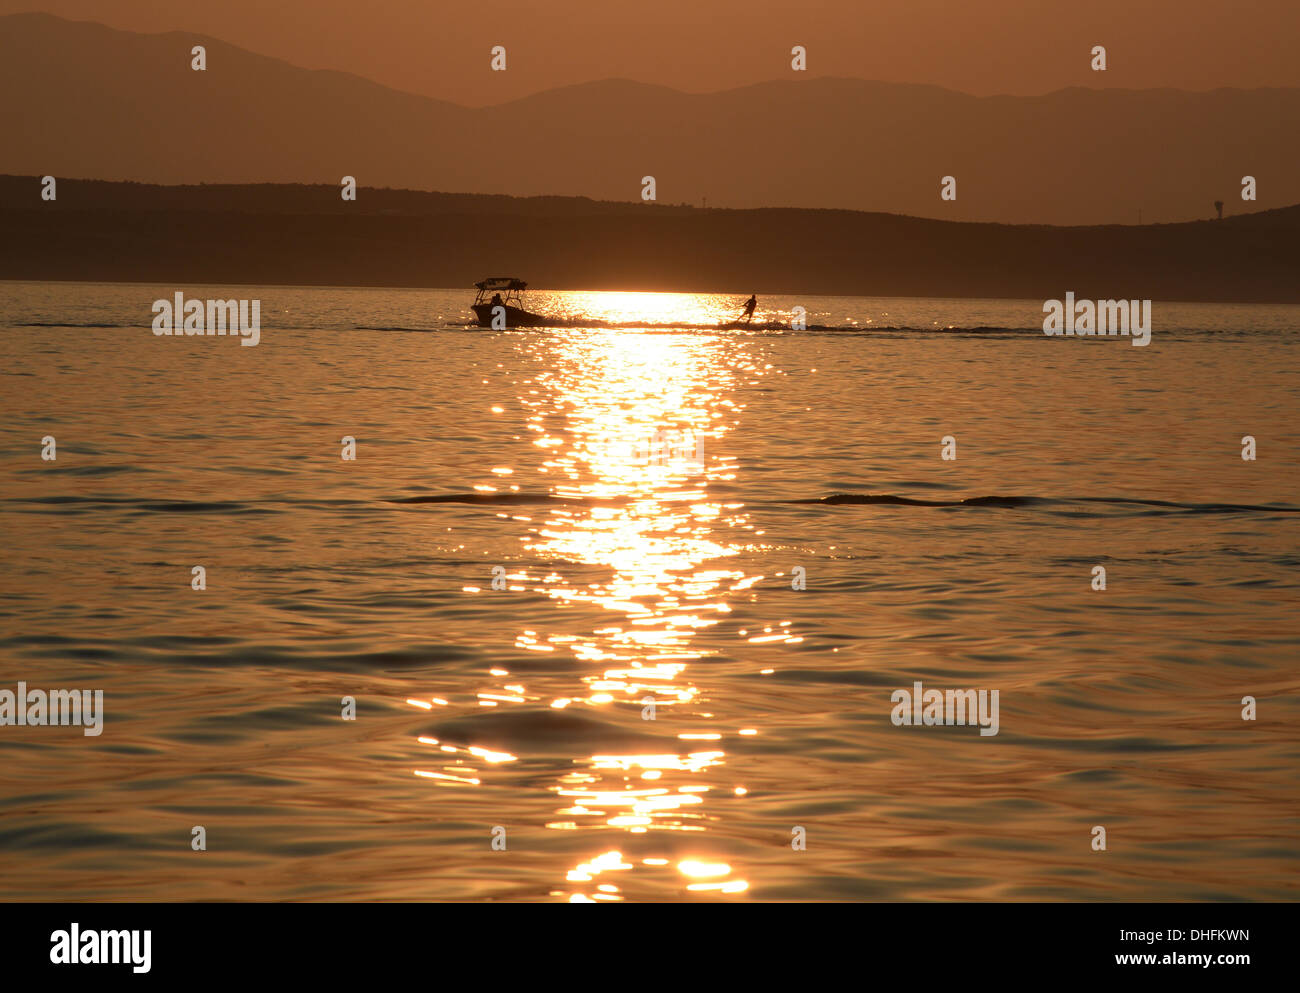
x,y
506,304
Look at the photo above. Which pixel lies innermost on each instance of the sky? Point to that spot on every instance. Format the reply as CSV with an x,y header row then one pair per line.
x,y
983,47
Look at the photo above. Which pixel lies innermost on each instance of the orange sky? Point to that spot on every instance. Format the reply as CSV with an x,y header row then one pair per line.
x,y
442,49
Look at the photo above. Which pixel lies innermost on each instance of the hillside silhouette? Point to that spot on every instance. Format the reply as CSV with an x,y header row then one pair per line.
x,y
308,235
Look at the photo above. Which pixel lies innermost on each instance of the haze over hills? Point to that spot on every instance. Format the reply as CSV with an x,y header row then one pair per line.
x,y
306,235
82,100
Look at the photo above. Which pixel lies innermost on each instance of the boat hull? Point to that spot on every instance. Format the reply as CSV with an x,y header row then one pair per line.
x,y
515,317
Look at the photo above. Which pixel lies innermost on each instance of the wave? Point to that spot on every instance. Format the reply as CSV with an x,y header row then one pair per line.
x,y
506,499
1157,506
877,499
83,504
901,501
72,324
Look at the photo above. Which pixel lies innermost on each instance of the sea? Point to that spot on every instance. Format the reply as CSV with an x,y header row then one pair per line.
x,y
389,607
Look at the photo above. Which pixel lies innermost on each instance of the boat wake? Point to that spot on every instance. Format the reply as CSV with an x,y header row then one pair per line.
x,y
770,327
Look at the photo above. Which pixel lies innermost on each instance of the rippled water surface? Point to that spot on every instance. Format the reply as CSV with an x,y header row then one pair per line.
x,y
647,489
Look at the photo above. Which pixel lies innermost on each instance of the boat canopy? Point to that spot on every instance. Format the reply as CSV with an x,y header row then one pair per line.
x,y
501,283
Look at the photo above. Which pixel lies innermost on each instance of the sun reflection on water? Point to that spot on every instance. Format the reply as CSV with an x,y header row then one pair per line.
x,y
642,309
629,428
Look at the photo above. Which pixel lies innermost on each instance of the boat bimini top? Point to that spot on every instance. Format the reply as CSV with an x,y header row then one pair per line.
x,y
501,283
507,286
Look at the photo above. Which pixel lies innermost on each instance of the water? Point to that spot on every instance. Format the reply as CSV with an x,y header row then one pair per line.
x,y
647,485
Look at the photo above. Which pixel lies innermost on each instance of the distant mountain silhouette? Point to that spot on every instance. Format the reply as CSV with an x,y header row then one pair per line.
x,y
81,99
307,235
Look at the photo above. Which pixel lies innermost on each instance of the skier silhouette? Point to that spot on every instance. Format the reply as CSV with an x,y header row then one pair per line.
x,y
750,304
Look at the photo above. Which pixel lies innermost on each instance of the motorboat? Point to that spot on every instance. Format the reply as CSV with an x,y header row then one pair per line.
x,y
499,303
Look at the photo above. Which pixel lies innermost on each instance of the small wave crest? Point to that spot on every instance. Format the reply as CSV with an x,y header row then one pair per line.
x,y
1150,506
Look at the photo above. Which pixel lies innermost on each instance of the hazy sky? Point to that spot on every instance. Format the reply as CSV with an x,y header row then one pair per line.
x,y
978,46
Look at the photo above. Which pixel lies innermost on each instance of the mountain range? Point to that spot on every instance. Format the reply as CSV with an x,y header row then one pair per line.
x,y
78,99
